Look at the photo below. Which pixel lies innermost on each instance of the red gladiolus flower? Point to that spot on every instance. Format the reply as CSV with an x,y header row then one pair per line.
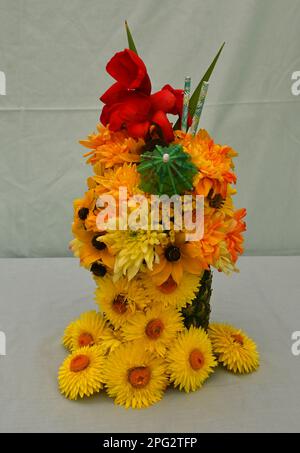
x,y
129,104
129,70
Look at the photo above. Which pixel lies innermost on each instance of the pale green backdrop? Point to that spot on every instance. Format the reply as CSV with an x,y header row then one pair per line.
x,y
53,54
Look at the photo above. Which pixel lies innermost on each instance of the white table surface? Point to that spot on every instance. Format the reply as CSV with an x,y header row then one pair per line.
x,y
40,296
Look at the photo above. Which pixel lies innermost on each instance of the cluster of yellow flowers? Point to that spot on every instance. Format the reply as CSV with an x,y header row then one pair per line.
x,y
151,350
138,343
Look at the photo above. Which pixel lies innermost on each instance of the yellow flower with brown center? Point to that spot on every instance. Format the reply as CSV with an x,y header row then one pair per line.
x,y
174,259
171,294
155,329
90,248
119,300
190,359
81,373
88,330
134,377
233,348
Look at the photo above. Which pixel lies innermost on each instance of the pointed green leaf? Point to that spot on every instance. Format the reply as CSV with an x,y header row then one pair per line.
x,y
131,44
196,94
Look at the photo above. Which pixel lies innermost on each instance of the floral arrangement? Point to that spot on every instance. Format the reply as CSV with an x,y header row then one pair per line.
x,y
153,285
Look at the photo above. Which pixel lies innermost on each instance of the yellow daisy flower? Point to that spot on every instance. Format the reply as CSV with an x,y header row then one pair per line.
x,y
119,300
190,359
234,349
170,293
134,377
89,329
155,329
67,338
81,373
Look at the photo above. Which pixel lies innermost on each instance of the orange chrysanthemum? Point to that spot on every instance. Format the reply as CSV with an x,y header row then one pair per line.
x,y
214,162
111,148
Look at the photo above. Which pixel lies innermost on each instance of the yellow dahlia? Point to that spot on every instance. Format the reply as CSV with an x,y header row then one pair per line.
x,y
155,329
134,377
119,300
234,349
81,373
89,329
190,359
170,293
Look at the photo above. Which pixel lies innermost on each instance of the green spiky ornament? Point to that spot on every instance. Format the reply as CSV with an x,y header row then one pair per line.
x,y
166,170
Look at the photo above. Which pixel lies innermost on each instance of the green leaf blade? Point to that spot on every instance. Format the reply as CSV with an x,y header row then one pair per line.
x,y
130,40
195,96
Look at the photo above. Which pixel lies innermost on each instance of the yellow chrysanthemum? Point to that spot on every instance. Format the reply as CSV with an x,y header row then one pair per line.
x,y
155,329
234,349
119,300
132,249
89,329
170,293
81,373
134,377
190,359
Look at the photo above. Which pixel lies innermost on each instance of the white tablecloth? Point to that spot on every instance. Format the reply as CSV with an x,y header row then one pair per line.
x,y
40,296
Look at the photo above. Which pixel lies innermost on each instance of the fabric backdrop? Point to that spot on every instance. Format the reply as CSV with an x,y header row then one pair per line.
x,y
53,56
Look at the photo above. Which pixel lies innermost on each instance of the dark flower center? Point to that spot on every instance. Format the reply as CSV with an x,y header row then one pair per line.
x,y
172,253
120,304
98,269
99,245
83,213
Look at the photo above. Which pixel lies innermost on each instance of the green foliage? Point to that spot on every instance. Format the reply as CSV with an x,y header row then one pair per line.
x,y
195,96
131,44
198,312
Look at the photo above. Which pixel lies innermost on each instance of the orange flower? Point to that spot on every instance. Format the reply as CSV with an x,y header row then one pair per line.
x,y
234,237
122,176
214,162
111,148
206,250
90,249
174,259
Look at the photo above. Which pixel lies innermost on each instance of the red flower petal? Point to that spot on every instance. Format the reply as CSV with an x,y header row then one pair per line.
x,y
113,94
137,130
160,119
163,100
128,69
